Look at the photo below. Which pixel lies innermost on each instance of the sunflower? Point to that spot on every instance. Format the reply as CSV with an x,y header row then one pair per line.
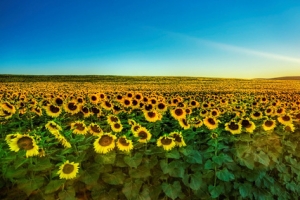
x,y
195,122
269,124
204,113
93,98
280,111
124,144
152,116
111,119
85,111
53,111
143,134
79,127
5,114
37,111
161,107
96,111
248,125
233,127
269,111
289,128
211,123
135,128
52,126
94,129
25,142
256,115
131,122
179,141
166,142
126,102
62,139
72,107
9,137
58,101
285,119
178,113
107,105
8,107
105,143
184,124
215,112
193,103
138,96
116,127
68,170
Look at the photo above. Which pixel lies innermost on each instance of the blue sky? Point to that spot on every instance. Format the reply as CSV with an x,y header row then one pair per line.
x,y
229,39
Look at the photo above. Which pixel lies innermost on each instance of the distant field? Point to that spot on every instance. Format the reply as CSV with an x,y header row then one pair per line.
x,y
158,83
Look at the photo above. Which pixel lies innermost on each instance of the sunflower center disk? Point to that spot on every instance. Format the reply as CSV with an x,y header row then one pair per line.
x,y
286,118
95,128
79,127
151,114
117,126
233,126
54,109
166,141
178,112
114,119
72,106
268,123
211,121
143,135
25,143
246,123
68,169
123,142
105,140
177,138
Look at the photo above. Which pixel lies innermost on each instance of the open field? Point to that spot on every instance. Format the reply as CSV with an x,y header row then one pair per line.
x,y
118,137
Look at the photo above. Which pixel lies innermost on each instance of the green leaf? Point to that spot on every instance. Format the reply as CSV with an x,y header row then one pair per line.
x,y
133,161
262,158
116,178
195,181
108,158
19,173
173,154
132,188
222,158
68,194
216,191
19,162
225,175
245,189
29,185
172,190
209,165
53,186
90,175
141,171
194,157
174,169
42,164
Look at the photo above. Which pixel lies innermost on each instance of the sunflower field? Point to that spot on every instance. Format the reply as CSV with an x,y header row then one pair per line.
x,y
114,137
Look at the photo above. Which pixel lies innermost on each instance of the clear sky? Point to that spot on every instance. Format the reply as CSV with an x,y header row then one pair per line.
x,y
224,38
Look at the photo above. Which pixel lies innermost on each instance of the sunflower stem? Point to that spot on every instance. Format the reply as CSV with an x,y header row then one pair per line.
x,y
216,153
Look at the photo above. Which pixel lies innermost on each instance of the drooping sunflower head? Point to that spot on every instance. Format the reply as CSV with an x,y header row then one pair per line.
x,y
79,127
105,143
131,122
289,128
248,125
167,142
256,115
52,126
68,170
178,138
135,128
24,142
124,144
8,107
184,123
107,105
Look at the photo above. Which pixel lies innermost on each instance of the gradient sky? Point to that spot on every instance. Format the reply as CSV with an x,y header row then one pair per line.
x,y
229,39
